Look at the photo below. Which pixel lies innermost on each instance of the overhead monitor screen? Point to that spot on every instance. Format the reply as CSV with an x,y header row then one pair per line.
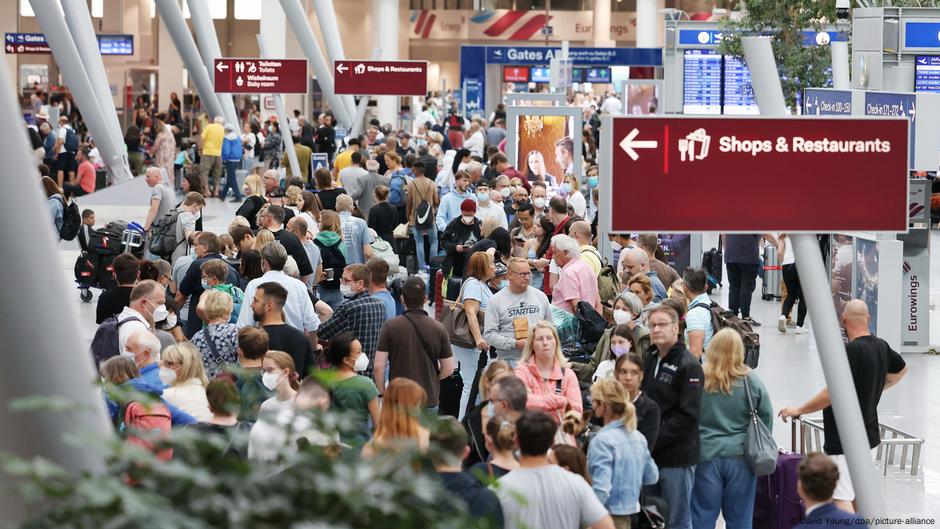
x,y
738,93
516,74
541,75
701,90
642,99
597,75
927,73
577,75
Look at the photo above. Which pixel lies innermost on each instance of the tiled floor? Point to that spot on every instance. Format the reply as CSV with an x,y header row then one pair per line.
x,y
789,363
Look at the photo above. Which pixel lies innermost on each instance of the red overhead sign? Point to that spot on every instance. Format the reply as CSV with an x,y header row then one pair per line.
x,y
381,78
260,76
681,175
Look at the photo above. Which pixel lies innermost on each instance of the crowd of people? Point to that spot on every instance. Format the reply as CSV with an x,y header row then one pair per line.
x,y
334,270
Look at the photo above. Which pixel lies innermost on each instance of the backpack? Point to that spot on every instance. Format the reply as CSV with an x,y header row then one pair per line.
x,y
163,235
331,258
238,297
71,220
397,192
608,284
145,425
106,344
722,318
592,325
424,213
71,140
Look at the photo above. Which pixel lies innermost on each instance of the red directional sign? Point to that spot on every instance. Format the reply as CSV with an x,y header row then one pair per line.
x,y
260,76
681,175
381,78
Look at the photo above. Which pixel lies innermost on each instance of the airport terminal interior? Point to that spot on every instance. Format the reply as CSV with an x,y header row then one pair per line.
x,y
673,120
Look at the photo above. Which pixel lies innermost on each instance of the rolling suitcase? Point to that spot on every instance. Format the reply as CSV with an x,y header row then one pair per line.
x,y
438,294
712,263
773,274
776,503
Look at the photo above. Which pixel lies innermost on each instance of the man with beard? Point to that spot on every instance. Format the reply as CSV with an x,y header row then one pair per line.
x,y
267,307
298,309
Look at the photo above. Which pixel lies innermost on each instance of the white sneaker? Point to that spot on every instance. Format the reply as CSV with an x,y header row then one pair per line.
x,y
800,330
782,324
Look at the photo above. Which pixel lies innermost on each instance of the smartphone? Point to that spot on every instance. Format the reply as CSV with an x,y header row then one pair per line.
x,y
329,274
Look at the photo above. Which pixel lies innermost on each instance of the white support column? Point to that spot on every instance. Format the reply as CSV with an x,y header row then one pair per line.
x,y
9,15
385,15
209,48
281,116
649,23
329,29
602,24
840,65
171,67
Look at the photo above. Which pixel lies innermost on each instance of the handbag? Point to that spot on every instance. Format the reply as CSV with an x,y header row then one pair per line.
x,y
401,231
451,388
454,318
760,448
383,250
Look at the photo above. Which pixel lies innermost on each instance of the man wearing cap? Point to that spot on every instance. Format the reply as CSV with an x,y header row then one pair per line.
x,y
231,159
461,234
210,163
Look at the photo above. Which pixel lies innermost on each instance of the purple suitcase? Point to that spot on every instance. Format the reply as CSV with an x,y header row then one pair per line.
x,y
776,503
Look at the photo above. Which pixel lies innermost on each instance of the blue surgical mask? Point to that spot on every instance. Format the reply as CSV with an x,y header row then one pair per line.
x,y
483,197
503,284
592,181
566,188
192,253
205,284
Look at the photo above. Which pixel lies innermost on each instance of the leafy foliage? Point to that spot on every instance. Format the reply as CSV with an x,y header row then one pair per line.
x,y
800,66
209,484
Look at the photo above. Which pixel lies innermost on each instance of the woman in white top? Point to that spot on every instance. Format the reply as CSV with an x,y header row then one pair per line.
x,y
475,296
791,278
248,147
621,343
189,212
475,142
310,212
279,375
182,371
571,190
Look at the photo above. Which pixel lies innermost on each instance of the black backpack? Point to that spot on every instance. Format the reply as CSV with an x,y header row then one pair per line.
x,y
591,323
332,258
106,344
71,220
163,235
71,141
424,213
722,318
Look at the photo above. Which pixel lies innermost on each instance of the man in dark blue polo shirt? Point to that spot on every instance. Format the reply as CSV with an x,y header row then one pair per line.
x,y
742,259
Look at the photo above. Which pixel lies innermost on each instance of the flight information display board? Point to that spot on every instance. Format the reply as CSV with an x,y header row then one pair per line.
x,y
701,93
927,73
738,92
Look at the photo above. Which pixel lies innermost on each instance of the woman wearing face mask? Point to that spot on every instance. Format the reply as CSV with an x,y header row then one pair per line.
x,y
618,458
536,248
278,375
254,199
474,296
181,370
459,236
189,211
552,386
628,371
500,438
620,344
571,190
352,393
625,307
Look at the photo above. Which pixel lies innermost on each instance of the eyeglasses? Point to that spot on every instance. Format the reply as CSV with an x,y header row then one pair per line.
x,y
523,274
661,324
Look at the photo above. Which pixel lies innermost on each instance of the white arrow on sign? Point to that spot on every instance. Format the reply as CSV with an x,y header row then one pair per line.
x,y
628,144
221,66
341,68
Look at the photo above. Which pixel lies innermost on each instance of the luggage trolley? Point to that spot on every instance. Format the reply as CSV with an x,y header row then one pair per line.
x,y
94,269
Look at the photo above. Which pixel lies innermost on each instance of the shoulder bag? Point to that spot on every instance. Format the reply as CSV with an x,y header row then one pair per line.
x,y
450,387
454,319
760,448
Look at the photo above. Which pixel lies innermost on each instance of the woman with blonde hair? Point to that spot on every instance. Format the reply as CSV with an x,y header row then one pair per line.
x,y
187,385
328,240
294,199
399,422
279,375
571,189
263,238
217,342
723,480
618,458
535,169
552,385
254,199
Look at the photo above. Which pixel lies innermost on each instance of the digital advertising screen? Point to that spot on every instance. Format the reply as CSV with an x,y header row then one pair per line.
x,y
641,99
842,250
927,73
545,148
516,74
701,86
540,75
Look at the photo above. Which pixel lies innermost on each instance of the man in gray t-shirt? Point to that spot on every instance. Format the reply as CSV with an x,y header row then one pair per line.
x,y
513,311
162,199
540,494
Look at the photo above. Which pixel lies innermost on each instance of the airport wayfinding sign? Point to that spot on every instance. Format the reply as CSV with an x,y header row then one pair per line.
x,y
260,76
750,175
381,78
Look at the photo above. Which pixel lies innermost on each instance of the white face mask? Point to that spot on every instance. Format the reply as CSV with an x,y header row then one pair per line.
x,y
505,192
129,355
270,379
167,376
538,202
616,246
160,313
346,291
468,219
622,316
170,321
362,363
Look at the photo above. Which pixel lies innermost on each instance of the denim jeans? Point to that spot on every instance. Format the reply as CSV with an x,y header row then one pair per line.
x,y
231,182
420,236
675,486
724,484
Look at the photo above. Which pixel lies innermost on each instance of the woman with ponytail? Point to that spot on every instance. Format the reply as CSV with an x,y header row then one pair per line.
x,y
618,459
500,435
279,375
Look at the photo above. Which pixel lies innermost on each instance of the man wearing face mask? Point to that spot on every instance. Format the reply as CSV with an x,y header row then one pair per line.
x,y
361,313
146,306
539,197
267,308
487,207
207,247
461,234
518,198
144,349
